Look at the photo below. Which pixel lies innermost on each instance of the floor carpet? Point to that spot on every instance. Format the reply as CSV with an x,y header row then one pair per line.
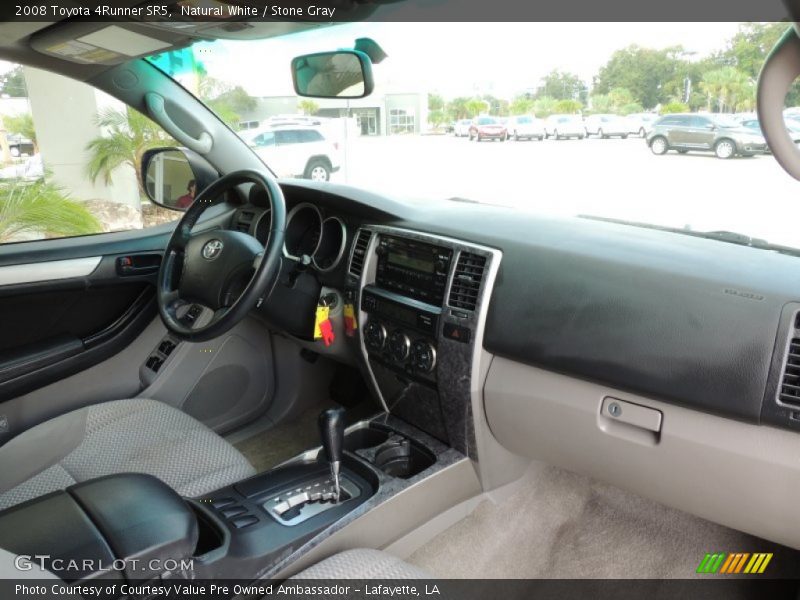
x,y
562,525
286,440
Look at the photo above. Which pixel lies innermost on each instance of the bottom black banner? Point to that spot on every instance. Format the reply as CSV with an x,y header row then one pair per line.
x,y
397,589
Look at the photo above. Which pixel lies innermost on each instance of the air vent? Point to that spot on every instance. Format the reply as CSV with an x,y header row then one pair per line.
x,y
359,252
467,281
790,384
244,220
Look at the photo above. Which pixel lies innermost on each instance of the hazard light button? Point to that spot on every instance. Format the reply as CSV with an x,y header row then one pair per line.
x,y
457,332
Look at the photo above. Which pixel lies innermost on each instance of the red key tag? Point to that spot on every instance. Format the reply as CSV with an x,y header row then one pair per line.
x,y
326,328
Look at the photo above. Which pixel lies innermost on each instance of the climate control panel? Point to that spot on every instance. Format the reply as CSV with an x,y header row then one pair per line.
x,y
401,347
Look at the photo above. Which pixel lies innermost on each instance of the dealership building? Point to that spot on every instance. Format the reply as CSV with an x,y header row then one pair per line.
x,y
377,114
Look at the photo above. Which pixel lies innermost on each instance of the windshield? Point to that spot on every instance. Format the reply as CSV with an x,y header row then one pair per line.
x,y
414,138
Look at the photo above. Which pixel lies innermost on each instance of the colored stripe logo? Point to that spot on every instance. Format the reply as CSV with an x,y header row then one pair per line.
x,y
734,563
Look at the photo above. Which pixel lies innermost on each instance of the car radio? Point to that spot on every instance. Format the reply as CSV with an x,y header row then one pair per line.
x,y
413,269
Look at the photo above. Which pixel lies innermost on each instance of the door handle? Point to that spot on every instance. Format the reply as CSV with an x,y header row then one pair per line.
x,y
138,264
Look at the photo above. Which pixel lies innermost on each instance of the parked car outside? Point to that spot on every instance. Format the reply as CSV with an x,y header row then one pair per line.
x,y
641,123
704,133
487,128
606,126
791,126
525,127
462,128
295,151
564,126
19,145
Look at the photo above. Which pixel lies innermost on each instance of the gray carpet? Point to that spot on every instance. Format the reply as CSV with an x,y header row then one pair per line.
x,y
288,439
563,525
284,441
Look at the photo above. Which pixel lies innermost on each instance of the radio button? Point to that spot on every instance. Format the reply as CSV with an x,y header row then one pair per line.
x,y
375,335
399,346
423,356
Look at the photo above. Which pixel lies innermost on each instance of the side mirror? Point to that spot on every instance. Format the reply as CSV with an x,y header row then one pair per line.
x,y
340,74
711,127
172,177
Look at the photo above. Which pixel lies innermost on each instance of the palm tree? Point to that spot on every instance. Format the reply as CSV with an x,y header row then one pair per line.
x,y
128,134
41,208
308,107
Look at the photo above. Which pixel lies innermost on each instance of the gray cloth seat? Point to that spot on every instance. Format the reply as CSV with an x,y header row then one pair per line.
x,y
122,436
362,563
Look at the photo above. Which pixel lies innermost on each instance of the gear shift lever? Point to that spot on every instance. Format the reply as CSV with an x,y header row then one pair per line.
x,y
331,430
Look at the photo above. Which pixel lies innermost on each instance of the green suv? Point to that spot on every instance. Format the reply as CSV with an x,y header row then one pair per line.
x,y
704,133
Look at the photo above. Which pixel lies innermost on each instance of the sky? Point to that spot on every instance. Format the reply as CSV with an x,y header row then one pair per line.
x,y
460,59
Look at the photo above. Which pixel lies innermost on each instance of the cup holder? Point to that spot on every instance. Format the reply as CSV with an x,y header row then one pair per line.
x,y
365,437
392,453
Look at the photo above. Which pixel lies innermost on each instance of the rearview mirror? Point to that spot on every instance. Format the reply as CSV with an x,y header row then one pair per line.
x,y
340,74
172,177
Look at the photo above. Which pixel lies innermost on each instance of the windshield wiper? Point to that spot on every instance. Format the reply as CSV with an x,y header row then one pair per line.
x,y
731,237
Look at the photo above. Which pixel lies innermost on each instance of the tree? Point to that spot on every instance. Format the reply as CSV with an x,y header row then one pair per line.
x,y
629,109
521,105
544,106
21,124
748,49
435,102
674,107
41,208
457,108
562,86
308,107
600,103
651,76
730,88
475,107
568,106
12,83
128,134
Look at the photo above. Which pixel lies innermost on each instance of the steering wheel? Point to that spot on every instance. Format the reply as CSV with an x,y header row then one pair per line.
x,y
209,267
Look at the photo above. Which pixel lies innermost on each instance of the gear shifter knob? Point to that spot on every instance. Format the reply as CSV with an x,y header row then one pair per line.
x,y
331,431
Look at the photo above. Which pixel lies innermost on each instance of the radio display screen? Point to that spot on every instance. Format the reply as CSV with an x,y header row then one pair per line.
x,y
413,268
403,259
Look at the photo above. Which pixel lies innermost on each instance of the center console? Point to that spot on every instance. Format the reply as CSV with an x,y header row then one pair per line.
x,y
422,305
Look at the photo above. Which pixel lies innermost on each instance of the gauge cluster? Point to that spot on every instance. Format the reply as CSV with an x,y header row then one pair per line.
x,y
310,236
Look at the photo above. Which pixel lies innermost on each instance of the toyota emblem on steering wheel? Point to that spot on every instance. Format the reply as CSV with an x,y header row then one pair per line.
x,y
212,249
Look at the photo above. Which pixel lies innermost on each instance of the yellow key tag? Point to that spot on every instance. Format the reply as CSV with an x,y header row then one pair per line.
x,y
350,323
321,317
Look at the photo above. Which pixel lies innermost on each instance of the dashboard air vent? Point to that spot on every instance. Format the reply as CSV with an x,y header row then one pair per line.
x,y
790,384
360,252
467,281
244,220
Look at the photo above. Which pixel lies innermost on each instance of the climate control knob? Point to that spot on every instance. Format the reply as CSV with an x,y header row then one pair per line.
x,y
375,335
423,356
399,346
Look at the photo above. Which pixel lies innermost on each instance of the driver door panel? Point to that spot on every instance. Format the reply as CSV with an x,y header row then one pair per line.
x,y
68,304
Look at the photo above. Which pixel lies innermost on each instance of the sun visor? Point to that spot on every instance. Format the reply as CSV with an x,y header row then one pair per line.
x,y
103,43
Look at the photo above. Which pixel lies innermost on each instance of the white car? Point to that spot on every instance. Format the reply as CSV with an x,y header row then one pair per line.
x,y
461,128
605,126
564,126
295,151
31,169
525,127
641,123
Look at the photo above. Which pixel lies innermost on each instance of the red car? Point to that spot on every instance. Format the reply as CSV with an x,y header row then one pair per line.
x,y
487,128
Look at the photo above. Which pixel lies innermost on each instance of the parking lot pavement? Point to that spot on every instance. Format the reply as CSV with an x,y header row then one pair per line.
x,y
612,178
